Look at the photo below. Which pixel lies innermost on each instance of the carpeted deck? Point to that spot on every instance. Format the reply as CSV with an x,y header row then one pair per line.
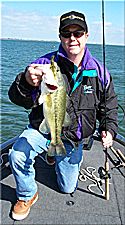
x,y
86,206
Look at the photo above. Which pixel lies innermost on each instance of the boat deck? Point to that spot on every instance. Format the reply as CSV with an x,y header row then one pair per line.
x,y
86,206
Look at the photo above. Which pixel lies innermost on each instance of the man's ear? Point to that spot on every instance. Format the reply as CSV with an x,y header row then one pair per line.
x,y
87,35
59,36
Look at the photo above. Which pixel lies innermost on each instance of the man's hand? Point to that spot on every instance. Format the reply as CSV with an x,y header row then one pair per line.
x,y
35,72
107,140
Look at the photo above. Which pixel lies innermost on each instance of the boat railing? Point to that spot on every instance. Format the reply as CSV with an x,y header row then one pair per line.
x,y
7,144
120,139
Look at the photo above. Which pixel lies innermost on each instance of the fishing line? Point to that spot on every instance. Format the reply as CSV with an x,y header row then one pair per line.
x,y
2,161
123,114
95,33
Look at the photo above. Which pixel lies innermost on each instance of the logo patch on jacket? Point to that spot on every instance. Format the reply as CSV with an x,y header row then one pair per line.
x,y
88,89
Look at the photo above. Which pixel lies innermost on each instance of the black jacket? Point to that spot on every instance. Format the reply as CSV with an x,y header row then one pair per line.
x,y
86,96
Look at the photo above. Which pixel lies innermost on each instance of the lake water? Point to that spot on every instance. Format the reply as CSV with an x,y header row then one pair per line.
x,y
17,54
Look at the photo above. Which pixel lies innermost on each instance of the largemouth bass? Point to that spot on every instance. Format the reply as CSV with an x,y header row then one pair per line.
x,y
54,96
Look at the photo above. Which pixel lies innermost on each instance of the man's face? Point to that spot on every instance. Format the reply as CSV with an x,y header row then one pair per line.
x,y
73,43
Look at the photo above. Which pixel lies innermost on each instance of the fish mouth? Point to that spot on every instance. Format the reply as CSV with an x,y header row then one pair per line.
x,y
51,87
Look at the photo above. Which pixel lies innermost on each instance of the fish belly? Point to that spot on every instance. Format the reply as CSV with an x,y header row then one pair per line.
x,y
54,112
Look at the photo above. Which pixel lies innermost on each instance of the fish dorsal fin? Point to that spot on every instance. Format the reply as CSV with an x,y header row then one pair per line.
x,y
53,66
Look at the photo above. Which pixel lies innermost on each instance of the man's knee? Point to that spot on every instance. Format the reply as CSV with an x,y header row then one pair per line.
x,y
17,154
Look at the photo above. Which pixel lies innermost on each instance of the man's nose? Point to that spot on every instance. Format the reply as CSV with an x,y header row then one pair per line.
x,y
72,36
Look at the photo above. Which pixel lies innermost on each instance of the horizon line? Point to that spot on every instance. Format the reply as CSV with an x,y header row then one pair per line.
x,y
27,39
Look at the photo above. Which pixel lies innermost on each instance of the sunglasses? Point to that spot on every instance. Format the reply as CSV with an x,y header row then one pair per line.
x,y
77,33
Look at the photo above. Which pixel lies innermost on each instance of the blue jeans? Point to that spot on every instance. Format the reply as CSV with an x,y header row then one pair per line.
x,y
22,157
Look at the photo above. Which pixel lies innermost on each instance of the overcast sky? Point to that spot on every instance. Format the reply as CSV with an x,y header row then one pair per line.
x,y
39,20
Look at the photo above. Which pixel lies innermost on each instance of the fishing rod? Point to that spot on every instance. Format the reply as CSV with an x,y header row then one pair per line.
x,y
106,155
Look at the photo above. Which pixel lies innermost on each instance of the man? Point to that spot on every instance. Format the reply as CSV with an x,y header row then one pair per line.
x,y
84,77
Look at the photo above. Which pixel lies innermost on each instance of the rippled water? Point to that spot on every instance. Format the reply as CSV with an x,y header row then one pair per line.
x,y
16,55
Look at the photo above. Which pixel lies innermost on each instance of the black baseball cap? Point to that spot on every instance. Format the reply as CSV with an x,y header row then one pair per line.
x,y
71,18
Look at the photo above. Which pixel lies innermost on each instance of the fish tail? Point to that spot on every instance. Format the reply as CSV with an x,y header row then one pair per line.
x,y
60,149
56,150
51,150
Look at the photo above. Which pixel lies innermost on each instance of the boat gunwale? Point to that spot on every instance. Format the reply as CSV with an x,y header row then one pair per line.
x,y
7,144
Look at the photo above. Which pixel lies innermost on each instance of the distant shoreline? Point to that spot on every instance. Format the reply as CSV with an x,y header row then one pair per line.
x,y
19,39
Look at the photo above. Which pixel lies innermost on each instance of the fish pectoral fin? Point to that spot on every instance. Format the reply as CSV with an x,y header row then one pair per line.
x,y
43,127
67,120
40,100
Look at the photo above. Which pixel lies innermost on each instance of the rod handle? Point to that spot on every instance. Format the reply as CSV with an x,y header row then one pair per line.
x,y
107,181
